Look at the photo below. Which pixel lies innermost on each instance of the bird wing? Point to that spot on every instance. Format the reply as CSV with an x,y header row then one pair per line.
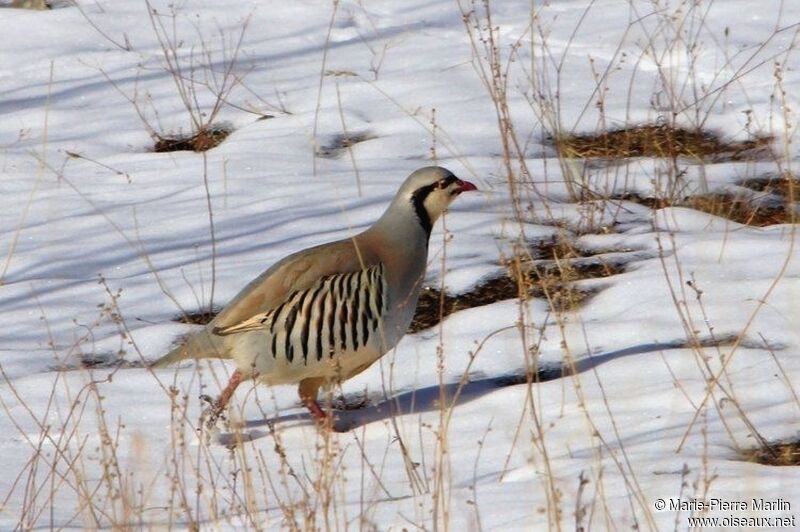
x,y
295,273
359,296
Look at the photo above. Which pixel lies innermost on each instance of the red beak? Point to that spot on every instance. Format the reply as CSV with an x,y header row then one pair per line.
x,y
466,186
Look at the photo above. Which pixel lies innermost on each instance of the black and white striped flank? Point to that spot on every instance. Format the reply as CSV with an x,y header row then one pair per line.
x,y
338,314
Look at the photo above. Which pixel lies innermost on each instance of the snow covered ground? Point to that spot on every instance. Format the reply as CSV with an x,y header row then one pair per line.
x,y
105,242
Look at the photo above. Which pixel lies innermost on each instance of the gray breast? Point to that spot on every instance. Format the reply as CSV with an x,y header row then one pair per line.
x,y
337,315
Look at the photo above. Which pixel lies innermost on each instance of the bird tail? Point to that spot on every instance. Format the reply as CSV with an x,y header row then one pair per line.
x,y
201,344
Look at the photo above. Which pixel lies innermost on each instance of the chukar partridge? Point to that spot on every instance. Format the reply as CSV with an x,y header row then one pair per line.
x,y
325,314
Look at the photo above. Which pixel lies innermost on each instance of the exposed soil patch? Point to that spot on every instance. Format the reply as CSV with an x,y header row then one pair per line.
x,y
203,140
197,317
739,209
340,143
783,453
662,141
551,277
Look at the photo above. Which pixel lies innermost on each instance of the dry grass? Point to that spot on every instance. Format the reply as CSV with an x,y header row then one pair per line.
x,y
308,486
785,185
553,279
662,141
737,208
205,139
783,453
741,210
30,4
197,317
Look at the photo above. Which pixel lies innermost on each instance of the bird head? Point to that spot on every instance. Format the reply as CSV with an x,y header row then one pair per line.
x,y
429,191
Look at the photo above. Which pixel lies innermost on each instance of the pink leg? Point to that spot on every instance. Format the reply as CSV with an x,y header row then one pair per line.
x,y
213,413
308,395
225,397
316,410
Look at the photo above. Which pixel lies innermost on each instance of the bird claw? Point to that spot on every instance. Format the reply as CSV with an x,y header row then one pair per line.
x,y
210,415
207,399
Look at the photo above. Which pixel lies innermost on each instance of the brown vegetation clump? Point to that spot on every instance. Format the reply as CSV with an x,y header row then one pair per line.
x,y
203,140
736,208
784,453
31,4
197,317
662,141
741,210
552,278
784,184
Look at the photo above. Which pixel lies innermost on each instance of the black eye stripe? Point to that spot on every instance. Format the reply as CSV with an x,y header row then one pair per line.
x,y
447,181
418,200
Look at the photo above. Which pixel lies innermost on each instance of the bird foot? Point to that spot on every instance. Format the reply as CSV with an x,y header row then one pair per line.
x,y
316,411
323,420
211,414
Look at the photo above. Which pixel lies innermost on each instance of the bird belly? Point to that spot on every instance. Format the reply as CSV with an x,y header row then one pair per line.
x,y
253,354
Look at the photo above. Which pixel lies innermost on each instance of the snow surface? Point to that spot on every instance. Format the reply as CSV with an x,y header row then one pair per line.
x,y
101,251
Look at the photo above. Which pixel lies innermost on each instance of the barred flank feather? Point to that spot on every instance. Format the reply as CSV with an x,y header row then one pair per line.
x,y
339,313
